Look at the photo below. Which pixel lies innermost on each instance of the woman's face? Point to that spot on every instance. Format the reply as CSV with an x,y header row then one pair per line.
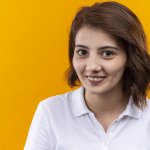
x,y
98,60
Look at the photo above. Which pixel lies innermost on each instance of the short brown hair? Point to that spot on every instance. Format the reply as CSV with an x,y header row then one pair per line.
x,y
119,21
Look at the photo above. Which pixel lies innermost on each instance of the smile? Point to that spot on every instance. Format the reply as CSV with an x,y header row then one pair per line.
x,y
95,79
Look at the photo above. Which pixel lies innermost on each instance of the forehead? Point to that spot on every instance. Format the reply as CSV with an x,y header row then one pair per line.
x,y
91,36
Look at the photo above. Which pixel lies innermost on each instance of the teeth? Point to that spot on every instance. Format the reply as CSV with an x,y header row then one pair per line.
x,y
95,79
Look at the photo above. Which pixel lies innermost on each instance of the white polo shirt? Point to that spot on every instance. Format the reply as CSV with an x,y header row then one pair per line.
x,y
64,122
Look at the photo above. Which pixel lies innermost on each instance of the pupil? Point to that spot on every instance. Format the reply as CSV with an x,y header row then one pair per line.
x,y
82,52
108,53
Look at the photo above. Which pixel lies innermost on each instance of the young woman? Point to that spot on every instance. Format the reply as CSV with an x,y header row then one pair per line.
x,y
109,111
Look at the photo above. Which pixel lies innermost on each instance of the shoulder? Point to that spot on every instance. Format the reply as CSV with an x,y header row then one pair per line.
x,y
146,111
58,104
56,101
146,115
148,105
148,101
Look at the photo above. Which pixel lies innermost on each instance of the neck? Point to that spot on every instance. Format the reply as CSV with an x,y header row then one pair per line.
x,y
107,103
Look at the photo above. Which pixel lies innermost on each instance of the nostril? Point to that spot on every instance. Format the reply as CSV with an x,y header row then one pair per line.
x,y
94,68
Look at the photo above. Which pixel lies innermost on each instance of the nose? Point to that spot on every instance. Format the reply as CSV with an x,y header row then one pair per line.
x,y
93,64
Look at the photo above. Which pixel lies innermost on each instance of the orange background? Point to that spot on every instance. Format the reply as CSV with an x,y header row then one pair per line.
x,y
34,56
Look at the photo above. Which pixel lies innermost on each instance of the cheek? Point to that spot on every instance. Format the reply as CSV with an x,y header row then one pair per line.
x,y
74,62
78,66
116,68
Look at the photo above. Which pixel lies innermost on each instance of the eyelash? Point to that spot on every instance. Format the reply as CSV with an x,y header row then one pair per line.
x,y
81,50
110,52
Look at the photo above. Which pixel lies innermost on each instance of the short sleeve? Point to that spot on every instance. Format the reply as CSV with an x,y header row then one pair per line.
x,y
41,135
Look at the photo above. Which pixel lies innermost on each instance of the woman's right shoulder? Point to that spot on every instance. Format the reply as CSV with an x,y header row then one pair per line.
x,y
56,100
59,104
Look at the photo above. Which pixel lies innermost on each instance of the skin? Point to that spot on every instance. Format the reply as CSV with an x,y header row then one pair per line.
x,y
97,53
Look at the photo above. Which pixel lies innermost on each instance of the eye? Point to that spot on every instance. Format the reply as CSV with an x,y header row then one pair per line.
x,y
81,52
107,53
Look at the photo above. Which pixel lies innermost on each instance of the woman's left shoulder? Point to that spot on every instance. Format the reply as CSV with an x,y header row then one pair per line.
x,y
147,108
148,102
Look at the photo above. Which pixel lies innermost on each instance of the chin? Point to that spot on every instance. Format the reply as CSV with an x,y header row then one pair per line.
x,y
95,90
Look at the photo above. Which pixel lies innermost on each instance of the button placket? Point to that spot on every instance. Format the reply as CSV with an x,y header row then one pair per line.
x,y
113,126
105,145
105,139
99,129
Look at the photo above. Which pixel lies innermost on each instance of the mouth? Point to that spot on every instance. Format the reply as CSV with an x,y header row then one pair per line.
x,y
95,79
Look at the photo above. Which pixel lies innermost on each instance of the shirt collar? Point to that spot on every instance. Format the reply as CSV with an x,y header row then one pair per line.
x,y
79,107
77,102
131,110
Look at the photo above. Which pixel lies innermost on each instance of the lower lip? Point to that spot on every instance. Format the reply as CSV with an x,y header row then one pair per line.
x,y
95,82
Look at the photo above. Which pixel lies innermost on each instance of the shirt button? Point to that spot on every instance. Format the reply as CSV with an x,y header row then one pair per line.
x,y
106,142
105,145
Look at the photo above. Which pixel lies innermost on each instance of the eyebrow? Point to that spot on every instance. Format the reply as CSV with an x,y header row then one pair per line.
x,y
99,48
